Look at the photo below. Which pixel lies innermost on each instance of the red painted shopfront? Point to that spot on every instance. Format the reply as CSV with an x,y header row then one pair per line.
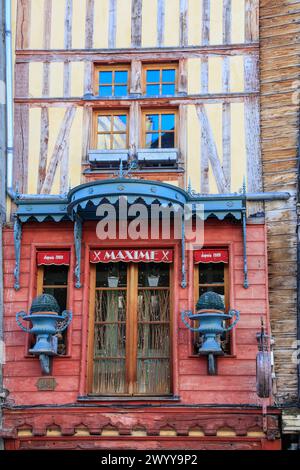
x,y
133,379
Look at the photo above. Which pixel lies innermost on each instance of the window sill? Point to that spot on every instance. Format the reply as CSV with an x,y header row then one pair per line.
x,y
98,398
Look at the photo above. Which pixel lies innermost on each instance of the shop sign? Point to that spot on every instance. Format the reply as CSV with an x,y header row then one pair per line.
x,y
53,257
211,256
131,256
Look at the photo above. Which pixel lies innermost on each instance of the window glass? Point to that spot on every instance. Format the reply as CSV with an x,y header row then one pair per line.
x,y
153,90
160,130
105,91
153,76
168,90
160,81
168,76
167,140
167,122
112,131
113,83
132,329
105,78
121,77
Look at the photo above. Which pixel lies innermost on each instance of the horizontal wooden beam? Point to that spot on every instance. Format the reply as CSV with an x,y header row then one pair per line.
x,y
117,55
175,101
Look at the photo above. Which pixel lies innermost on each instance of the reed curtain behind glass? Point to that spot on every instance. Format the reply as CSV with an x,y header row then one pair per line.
x,y
132,324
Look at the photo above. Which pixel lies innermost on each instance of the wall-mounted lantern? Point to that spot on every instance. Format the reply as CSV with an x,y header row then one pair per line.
x,y
211,317
46,322
263,365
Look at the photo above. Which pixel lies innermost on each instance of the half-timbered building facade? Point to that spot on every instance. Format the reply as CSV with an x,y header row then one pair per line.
x,y
156,102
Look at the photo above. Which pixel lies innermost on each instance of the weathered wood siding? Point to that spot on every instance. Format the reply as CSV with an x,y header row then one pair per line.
x,y
280,48
215,43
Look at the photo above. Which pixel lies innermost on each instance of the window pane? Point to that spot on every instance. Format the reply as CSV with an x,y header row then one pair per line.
x,y
103,142
59,294
55,275
109,376
152,122
152,76
105,78
119,123
119,141
111,270
152,141
110,306
151,271
153,305
153,376
120,90
152,90
168,90
105,91
167,122
104,123
211,273
168,75
167,140
121,76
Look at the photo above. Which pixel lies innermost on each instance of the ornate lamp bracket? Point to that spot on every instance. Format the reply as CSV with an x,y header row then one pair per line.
x,y
77,243
17,243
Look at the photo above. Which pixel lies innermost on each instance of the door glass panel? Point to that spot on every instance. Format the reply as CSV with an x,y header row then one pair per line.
x,y
153,322
116,329
110,329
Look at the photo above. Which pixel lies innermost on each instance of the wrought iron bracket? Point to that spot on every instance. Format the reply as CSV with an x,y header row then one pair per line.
x,y
183,269
77,243
17,244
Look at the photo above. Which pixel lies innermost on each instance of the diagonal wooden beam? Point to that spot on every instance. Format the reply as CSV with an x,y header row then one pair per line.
x,y
59,149
212,151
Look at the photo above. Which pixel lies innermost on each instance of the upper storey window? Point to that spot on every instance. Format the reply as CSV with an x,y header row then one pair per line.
x,y
112,81
160,80
111,130
159,129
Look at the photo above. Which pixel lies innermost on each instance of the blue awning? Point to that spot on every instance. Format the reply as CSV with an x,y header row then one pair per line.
x,y
84,199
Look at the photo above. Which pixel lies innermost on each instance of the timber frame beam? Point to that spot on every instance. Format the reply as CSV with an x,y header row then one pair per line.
x,y
120,55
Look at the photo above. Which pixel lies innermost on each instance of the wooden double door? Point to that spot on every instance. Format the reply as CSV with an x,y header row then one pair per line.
x,y
130,329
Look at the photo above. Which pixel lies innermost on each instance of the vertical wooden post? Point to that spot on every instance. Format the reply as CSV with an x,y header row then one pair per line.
x,y
23,24
89,24
182,77
136,77
251,20
183,23
136,23
226,107
204,174
160,22
112,24
44,135
134,128
182,138
64,166
21,122
252,131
